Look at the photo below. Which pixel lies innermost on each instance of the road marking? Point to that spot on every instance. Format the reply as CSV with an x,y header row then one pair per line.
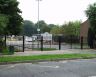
x,y
8,67
63,61
48,66
12,66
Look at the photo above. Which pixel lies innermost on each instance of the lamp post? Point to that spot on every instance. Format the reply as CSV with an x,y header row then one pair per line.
x,y
38,28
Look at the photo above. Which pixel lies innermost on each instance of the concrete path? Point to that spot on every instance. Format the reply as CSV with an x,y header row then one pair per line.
x,y
67,51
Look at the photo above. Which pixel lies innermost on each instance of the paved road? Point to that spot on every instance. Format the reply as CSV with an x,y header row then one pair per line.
x,y
70,68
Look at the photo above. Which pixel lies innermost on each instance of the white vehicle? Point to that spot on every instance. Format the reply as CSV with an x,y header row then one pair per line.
x,y
30,39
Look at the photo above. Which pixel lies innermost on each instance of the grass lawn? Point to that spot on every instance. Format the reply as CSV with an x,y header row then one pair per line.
x,y
45,57
44,49
78,45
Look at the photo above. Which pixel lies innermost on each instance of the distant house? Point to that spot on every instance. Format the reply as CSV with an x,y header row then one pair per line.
x,y
47,36
84,29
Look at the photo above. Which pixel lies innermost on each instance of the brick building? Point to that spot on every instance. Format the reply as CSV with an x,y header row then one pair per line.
x,y
84,29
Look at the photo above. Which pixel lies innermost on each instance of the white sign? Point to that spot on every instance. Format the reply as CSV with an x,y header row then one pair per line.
x,y
47,36
30,38
38,29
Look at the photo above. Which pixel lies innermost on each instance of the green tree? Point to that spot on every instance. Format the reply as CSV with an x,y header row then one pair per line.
x,y
91,14
29,28
11,10
71,28
56,30
77,25
3,23
43,26
51,26
68,28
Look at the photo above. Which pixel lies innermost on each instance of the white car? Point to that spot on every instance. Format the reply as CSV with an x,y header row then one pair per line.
x,y
30,39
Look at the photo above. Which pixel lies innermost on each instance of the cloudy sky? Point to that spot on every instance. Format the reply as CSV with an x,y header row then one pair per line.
x,y
55,11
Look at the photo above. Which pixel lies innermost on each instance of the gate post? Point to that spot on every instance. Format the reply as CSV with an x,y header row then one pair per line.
x,y
5,41
71,41
23,43
41,43
81,42
59,42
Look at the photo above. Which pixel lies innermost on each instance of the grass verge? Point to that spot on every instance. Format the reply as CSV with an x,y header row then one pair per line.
x,y
44,49
45,57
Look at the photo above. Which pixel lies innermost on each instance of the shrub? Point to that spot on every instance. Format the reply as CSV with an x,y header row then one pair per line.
x,y
5,51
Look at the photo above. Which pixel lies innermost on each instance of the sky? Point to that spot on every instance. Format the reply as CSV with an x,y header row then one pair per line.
x,y
54,11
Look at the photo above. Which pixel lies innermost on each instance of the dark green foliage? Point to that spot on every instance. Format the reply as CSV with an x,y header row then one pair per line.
x,y
5,51
3,23
56,30
10,20
91,38
51,26
71,28
91,14
11,10
1,45
43,26
29,28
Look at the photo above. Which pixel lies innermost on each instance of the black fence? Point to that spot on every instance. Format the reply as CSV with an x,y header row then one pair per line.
x,y
58,42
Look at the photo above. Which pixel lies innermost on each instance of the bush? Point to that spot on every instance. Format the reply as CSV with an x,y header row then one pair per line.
x,y
1,45
5,51
91,38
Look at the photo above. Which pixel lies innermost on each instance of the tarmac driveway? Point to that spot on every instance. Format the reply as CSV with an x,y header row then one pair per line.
x,y
66,68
